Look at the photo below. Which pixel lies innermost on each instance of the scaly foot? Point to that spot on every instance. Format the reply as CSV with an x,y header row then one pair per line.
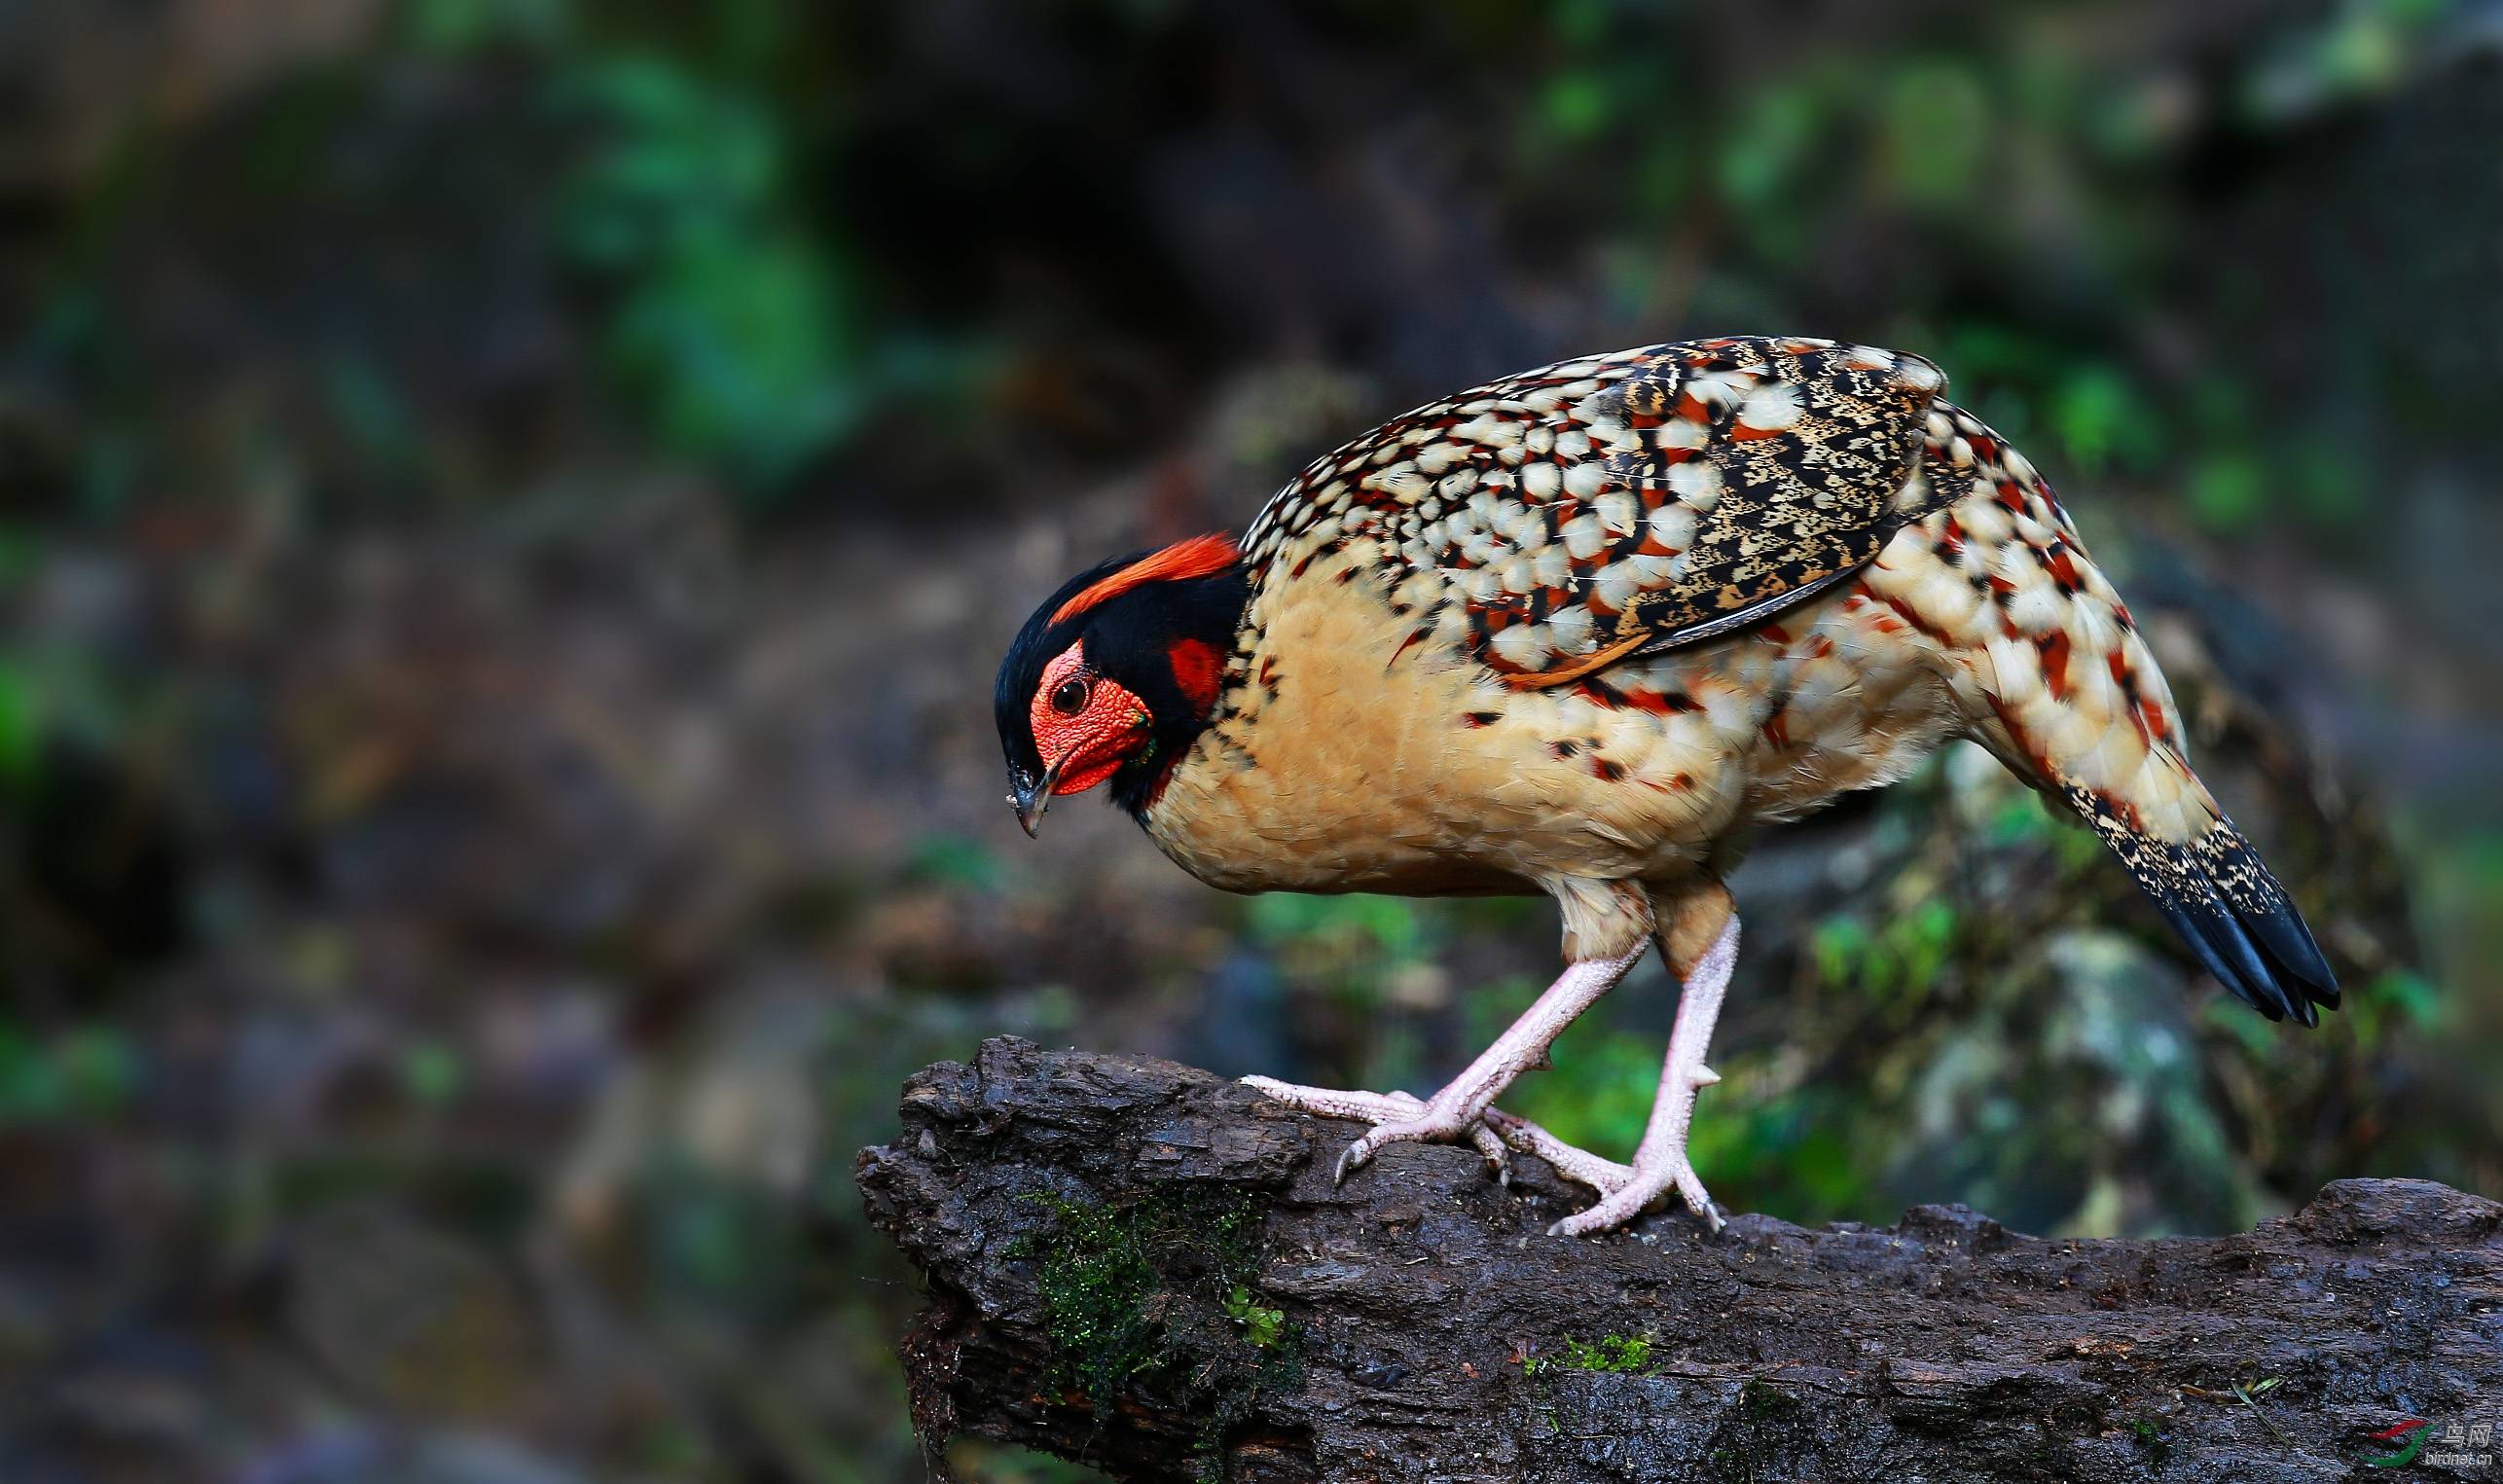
x,y
1395,1116
1638,1188
1625,1189
1459,1110
1660,1163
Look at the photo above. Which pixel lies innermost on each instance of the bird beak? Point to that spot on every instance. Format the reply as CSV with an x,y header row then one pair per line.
x,y
1031,798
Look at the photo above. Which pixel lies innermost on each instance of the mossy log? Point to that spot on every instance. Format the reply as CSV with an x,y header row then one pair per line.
x,y
1146,1268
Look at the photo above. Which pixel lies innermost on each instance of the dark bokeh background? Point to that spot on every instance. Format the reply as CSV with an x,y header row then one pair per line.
x,y
508,509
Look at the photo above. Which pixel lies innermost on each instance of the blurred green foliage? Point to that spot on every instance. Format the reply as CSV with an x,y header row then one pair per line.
x,y
730,322
87,1074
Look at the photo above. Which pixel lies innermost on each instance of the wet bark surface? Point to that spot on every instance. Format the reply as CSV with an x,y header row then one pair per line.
x,y
1143,1267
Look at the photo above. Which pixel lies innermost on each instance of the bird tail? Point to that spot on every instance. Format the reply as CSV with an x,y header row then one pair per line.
x,y
2226,905
2091,722
2071,699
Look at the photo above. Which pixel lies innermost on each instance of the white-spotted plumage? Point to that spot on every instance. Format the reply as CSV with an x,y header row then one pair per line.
x,y
1578,630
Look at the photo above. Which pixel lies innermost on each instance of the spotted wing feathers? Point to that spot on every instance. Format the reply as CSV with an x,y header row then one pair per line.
x,y
1792,460
1559,521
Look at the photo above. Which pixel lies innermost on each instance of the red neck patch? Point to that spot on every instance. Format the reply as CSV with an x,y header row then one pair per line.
x,y
1197,667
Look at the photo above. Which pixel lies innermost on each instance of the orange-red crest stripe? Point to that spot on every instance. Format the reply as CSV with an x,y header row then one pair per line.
x,y
1198,557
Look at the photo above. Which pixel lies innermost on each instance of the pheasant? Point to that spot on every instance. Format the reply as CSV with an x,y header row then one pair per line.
x,y
1579,632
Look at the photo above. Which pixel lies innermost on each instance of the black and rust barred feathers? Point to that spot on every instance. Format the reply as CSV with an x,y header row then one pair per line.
x,y
1627,503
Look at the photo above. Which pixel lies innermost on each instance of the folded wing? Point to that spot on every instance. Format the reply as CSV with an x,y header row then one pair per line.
x,y
1559,521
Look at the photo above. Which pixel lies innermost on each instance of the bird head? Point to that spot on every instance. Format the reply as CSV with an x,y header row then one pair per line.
x,y
1117,673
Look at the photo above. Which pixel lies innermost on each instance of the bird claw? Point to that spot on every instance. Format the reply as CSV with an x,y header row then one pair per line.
x,y
1404,1118
1499,1155
1433,1125
1397,1118
1575,1164
1639,1189
1623,1189
1331,1102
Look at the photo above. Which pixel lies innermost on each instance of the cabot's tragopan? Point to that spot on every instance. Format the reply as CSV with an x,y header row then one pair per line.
x,y
1580,631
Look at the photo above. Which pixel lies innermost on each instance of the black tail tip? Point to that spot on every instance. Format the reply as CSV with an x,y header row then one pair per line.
x,y
2246,932
2225,906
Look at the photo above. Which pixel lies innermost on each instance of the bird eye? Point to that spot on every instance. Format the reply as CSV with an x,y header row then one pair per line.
x,y
1071,698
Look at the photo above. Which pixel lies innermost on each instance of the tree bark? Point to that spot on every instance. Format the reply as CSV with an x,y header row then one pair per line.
x,y
1142,1267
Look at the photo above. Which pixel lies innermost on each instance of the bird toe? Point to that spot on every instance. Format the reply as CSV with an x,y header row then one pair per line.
x,y
1626,1201
1429,1124
1499,1155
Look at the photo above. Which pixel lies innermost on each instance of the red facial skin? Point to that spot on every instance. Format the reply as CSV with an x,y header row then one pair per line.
x,y
1091,743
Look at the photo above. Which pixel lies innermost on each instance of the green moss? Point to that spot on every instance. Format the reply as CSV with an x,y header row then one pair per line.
x,y
1614,1355
1094,1284
1261,1326
1758,1402
1162,1291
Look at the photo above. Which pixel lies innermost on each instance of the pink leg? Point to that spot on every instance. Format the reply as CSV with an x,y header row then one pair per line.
x,y
1660,1164
1457,1110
